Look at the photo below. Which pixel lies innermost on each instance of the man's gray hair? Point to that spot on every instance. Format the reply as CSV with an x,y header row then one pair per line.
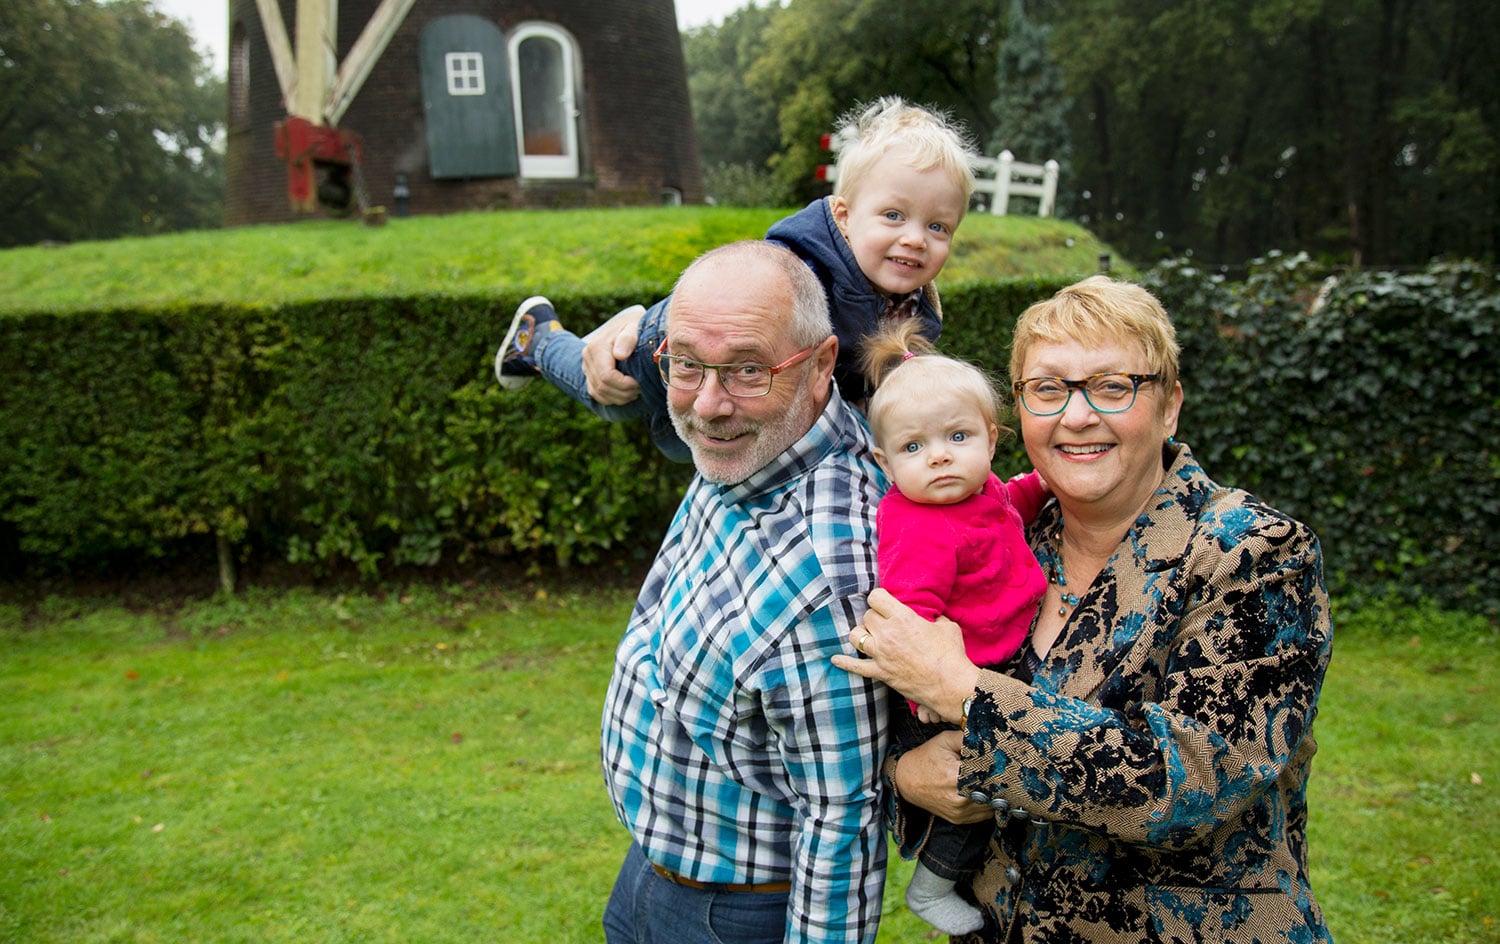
x,y
810,323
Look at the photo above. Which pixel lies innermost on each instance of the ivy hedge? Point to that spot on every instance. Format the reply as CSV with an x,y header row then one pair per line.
x,y
1366,404
369,433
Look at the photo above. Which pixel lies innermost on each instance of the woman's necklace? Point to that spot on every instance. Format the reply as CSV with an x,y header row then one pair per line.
x,y
1057,573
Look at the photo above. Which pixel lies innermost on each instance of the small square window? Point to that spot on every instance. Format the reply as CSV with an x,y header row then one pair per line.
x,y
465,73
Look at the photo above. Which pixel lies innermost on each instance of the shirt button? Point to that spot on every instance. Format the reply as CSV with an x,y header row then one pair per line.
x,y
1017,813
1012,875
980,797
999,805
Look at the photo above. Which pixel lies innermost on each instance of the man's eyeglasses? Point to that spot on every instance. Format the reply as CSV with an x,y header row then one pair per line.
x,y
1105,393
738,380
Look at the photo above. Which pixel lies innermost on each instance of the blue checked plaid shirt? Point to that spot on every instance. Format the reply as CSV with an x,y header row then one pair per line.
x,y
733,750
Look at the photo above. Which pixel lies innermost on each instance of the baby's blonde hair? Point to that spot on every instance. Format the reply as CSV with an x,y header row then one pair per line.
x,y
933,139
902,366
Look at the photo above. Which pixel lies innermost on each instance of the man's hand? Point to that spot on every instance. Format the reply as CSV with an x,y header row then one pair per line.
x,y
603,348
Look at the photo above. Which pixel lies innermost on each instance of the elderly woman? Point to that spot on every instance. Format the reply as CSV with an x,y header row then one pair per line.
x,y
1145,758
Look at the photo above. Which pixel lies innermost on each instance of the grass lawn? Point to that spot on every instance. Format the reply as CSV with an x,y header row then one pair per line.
x,y
514,253
420,765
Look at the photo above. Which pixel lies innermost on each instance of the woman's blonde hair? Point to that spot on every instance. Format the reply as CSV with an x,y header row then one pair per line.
x,y
902,365
931,137
1100,310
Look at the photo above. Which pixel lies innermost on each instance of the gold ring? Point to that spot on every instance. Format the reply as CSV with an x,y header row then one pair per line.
x,y
862,640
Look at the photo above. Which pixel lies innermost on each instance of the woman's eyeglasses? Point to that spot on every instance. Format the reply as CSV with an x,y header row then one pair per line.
x,y
1105,393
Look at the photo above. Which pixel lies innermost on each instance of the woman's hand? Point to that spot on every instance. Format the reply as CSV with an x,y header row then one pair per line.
x,y
927,776
606,345
921,660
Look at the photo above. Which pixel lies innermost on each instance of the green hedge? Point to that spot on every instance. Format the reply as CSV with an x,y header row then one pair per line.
x,y
370,433
365,433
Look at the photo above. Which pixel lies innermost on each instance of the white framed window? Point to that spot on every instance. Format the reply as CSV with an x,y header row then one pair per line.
x,y
465,73
544,82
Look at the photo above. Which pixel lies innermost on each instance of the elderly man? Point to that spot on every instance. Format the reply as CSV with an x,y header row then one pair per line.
x,y
746,769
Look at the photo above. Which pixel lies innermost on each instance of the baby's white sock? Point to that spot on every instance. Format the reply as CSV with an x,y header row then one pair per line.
x,y
935,900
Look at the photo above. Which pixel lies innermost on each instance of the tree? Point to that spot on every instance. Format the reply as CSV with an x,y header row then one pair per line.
x,y
824,57
736,122
1361,130
1030,108
107,123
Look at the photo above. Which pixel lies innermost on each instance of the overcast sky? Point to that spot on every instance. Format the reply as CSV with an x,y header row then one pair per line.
x,y
209,20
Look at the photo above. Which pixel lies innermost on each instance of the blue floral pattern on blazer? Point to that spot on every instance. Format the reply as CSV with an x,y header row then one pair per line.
x,y
1151,784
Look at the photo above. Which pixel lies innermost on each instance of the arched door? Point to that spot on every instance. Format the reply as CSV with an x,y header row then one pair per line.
x,y
544,79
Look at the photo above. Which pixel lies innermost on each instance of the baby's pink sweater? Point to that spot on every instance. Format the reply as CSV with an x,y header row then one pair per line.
x,y
968,561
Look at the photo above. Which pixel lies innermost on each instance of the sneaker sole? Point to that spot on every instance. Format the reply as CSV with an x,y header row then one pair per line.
x,y
514,383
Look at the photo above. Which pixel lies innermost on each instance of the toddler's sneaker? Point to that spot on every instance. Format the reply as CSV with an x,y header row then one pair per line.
x,y
514,366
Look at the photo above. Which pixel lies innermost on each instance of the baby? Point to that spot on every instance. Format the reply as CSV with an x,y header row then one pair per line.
x,y
951,543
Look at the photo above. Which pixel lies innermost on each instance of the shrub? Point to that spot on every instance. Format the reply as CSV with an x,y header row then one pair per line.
x,y
1367,406
744,185
366,432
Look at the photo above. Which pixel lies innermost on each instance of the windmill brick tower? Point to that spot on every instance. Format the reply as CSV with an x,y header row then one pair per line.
x,y
444,105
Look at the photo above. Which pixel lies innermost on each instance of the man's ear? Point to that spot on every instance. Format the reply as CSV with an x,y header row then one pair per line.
x,y
824,358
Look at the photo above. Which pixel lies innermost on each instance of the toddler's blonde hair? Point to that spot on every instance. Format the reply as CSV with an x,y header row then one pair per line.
x,y
931,137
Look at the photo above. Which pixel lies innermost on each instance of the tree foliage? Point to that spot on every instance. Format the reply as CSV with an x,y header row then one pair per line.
x,y
823,57
1030,108
735,124
107,122
1362,131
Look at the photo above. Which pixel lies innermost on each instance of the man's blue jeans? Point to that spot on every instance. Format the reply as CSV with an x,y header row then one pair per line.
x,y
645,908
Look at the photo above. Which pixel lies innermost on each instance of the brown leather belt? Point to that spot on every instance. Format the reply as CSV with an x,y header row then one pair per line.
x,y
764,887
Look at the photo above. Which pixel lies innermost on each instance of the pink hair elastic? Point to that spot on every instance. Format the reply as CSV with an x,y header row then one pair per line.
x,y
907,356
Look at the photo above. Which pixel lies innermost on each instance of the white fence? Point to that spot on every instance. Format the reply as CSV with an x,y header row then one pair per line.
x,y
1004,177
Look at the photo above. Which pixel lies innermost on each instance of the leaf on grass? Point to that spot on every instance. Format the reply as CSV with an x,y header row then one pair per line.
x,y
457,737
132,674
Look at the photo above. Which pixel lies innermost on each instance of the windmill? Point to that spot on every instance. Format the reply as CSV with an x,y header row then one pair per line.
x,y
454,105
317,90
